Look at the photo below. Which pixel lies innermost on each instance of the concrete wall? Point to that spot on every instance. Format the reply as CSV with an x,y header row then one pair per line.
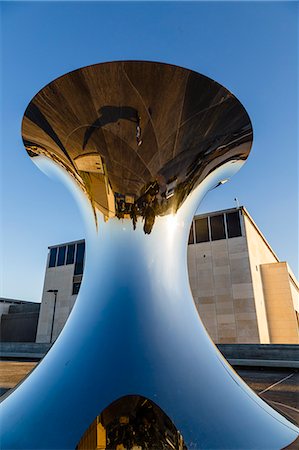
x,y
282,321
20,323
220,280
294,290
260,351
60,278
235,302
19,327
259,253
4,307
5,304
23,350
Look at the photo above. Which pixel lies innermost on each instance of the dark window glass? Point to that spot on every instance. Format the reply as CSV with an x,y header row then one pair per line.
x,y
202,230
76,288
217,227
233,224
79,259
70,254
191,235
61,256
52,259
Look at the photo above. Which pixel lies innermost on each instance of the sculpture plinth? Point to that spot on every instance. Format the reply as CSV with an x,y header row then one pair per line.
x,y
143,142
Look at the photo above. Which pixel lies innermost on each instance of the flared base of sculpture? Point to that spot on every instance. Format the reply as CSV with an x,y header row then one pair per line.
x,y
135,330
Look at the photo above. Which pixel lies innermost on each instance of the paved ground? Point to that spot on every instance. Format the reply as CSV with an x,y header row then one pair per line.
x,y
11,372
278,387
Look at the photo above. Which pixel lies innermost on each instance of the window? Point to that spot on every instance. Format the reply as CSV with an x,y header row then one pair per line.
x,y
52,259
79,259
233,224
61,256
70,254
191,235
76,288
217,227
202,230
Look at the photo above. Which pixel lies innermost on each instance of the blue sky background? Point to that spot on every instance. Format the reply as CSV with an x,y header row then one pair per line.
x,y
249,47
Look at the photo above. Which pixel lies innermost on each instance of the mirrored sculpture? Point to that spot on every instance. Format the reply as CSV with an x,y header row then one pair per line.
x,y
140,144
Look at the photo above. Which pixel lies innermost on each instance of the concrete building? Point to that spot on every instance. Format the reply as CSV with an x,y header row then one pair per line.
x,y
18,320
63,278
243,293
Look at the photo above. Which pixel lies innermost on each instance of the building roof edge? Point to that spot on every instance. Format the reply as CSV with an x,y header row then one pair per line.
x,y
246,213
79,241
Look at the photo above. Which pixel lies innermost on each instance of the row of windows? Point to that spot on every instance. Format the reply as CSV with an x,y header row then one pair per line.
x,y
214,228
68,254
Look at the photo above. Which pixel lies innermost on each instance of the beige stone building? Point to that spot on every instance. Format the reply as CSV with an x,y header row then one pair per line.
x,y
243,293
64,271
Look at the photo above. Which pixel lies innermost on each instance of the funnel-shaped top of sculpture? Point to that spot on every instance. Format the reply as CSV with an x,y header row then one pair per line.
x,y
137,136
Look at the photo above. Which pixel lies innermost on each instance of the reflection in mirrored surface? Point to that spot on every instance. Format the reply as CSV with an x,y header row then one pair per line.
x,y
140,144
132,422
137,137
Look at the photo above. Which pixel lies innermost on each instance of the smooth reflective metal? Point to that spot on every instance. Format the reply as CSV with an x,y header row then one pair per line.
x,y
132,422
136,136
134,329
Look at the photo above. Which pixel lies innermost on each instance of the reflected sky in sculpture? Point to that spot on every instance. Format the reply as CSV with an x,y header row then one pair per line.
x,y
137,136
134,328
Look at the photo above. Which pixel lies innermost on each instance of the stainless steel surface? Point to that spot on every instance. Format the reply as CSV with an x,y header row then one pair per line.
x,y
134,329
136,136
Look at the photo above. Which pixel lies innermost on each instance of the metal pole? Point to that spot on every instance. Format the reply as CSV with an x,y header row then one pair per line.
x,y
55,291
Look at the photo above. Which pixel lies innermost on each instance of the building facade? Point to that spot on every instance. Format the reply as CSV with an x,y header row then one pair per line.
x,y
64,271
18,320
243,293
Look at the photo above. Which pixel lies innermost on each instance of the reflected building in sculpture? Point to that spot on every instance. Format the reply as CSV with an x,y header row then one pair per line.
x,y
140,144
159,130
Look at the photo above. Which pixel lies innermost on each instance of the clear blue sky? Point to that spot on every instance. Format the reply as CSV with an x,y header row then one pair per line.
x,y
249,47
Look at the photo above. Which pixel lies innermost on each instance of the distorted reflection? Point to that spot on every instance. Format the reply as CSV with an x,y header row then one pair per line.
x,y
137,136
132,423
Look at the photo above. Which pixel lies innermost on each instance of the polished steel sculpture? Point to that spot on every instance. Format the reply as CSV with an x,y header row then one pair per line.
x,y
140,143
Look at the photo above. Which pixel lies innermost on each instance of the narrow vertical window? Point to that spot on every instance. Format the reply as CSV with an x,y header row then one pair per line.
x,y
79,264
61,256
233,224
202,230
70,254
191,235
52,259
76,288
217,227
